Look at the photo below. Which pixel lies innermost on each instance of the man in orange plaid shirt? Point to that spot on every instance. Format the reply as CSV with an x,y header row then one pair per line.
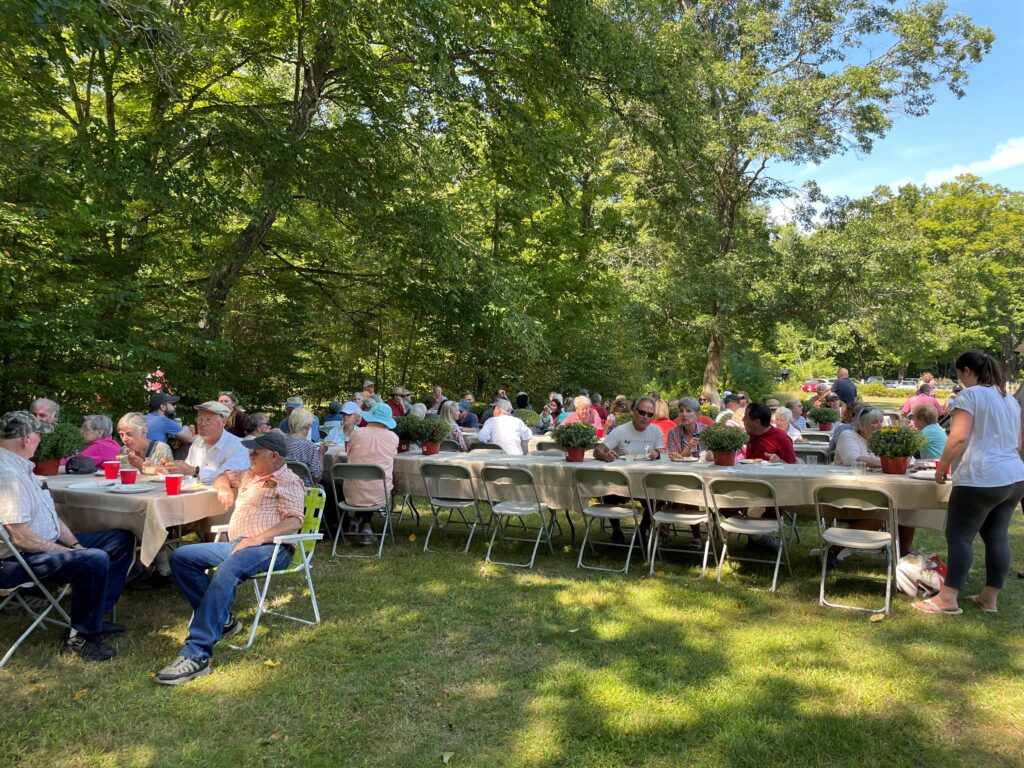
x,y
269,503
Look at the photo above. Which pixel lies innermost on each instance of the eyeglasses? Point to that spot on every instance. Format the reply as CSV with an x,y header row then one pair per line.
x,y
703,400
648,414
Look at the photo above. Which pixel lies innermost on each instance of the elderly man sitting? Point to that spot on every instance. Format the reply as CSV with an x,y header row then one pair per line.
x,y
95,564
505,430
46,410
214,449
269,503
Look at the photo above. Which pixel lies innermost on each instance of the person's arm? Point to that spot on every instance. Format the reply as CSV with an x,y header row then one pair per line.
x,y
290,497
487,431
956,443
287,526
26,540
186,436
225,489
603,453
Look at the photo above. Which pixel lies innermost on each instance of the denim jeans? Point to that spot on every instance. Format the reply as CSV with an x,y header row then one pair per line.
x,y
96,574
211,597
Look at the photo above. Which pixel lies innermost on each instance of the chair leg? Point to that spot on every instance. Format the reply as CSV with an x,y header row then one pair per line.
x,y
583,543
652,546
383,535
494,534
261,597
435,523
312,593
721,560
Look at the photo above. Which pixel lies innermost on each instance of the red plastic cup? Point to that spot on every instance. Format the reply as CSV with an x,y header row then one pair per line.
x,y
600,432
172,484
110,469
128,476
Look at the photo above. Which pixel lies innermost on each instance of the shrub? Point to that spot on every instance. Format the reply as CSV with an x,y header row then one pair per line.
x,y
429,430
528,416
575,435
719,437
896,441
64,441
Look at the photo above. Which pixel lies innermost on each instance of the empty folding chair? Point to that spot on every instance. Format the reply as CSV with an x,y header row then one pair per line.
x,y
370,473
812,437
450,446
680,488
501,483
305,546
837,502
300,469
30,581
450,487
485,447
726,493
596,484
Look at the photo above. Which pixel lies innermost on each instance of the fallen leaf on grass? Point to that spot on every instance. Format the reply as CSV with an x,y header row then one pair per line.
x,y
571,631
271,663
81,694
877,617
446,757
412,537
275,736
660,573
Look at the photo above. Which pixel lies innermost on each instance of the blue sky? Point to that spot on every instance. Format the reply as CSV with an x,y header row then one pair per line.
x,y
982,133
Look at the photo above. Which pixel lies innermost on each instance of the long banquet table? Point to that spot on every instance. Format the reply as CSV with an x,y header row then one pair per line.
x,y
920,503
148,515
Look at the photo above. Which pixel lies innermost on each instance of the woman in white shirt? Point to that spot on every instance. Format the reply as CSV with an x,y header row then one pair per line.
x,y
988,482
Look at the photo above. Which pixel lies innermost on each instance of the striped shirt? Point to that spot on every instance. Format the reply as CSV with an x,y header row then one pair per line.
x,y
24,500
266,500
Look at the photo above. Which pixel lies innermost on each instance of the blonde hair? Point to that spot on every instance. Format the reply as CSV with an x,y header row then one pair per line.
x,y
660,410
924,414
300,420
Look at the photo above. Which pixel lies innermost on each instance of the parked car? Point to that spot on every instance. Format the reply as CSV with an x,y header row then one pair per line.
x,y
910,384
811,385
874,380
891,384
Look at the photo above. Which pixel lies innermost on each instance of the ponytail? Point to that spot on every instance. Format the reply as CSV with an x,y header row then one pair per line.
x,y
984,366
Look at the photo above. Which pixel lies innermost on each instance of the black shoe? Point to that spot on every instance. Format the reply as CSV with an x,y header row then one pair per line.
x,y
182,670
88,648
831,560
231,627
617,537
112,629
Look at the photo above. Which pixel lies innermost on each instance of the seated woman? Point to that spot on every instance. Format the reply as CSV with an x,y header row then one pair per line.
x,y
549,415
621,405
419,410
682,438
926,420
99,445
373,444
139,450
783,419
849,414
236,421
449,413
661,419
342,431
300,447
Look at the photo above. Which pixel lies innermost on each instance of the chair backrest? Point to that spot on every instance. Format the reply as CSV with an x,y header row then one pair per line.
x,y
509,483
300,469
847,502
485,447
450,446
545,445
592,483
434,474
724,492
680,487
313,507
816,438
366,472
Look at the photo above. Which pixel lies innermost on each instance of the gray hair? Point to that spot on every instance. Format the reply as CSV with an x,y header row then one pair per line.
x,y
784,411
791,403
504,406
101,423
689,404
255,420
580,399
300,420
46,403
867,417
132,421
419,410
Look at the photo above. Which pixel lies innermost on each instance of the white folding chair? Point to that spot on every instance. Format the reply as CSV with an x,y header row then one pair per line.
x,y
726,493
593,484
839,502
305,547
372,473
439,480
500,483
39,616
680,488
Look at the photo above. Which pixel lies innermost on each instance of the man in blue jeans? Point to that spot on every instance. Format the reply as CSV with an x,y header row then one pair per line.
x,y
95,564
269,503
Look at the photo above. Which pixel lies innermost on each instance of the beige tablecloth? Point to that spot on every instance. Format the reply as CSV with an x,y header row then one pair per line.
x,y
920,503
147,515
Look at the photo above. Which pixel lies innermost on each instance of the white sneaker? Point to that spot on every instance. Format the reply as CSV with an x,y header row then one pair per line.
x,y
182,670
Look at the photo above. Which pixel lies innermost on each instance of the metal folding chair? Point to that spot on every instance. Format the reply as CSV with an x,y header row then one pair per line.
x,y
485,447
840,502
595,484
300,469
305,546
450,446
680,488
438,482
726,493
366,473
500,483
816,438
39,616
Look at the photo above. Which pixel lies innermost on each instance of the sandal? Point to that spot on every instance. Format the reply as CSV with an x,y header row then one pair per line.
x,y
933,608
976,599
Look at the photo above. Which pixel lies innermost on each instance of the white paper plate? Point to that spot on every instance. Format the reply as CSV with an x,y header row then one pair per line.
x,y
118,488
751,461
91,485
923,474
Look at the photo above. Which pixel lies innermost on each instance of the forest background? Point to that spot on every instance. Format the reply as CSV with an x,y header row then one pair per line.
x,y
283,198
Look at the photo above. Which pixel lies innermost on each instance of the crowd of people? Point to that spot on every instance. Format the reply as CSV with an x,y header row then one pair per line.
x,y
244,459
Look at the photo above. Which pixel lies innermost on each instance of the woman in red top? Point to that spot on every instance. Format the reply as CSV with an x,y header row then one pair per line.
x,y
661,419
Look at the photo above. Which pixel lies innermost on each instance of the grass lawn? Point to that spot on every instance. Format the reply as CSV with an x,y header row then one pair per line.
x,y
421,655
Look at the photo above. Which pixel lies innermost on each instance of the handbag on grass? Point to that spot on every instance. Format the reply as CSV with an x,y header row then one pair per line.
x,y
920,574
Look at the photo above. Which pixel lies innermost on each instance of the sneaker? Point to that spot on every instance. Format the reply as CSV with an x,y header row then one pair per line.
x,y
88,648
182,670
231,627
112,629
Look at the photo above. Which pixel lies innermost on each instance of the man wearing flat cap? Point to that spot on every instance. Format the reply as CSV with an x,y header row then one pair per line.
x,y
94,563
215,449
269,503
290,405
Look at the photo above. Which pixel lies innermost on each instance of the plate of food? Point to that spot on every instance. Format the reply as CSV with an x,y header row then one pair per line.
x,y
119,488
682,457
91,485
752,461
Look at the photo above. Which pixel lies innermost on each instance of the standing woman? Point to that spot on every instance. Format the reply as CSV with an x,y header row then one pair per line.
x,y
236,420
448,414
988,482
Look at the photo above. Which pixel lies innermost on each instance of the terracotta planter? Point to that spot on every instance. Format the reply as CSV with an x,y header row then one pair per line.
x,y
895,465
47,467
724,458
430,448
403,446
574,454
825,426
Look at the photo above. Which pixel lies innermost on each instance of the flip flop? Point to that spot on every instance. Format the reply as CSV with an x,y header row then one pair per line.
x,y
933,608
976,599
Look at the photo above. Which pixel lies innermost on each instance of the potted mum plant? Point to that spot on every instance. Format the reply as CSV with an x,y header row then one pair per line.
x,y
430,433
723,441
528,416
709,410
64,441
894,446
824,417
403,427
575,438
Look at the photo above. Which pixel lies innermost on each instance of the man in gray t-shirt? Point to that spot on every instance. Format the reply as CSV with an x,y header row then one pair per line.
x,y
638,438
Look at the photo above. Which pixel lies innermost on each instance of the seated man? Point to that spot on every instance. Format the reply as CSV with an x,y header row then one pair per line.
x,y
257,424
46,410
505,430
797,409
161,424
214,449
95,564
269,503
766,442
466,418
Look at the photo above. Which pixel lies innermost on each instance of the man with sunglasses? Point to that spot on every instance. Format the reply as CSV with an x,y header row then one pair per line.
x,y
638,438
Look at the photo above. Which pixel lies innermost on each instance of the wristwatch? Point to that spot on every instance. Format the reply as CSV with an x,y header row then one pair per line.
x,y
196,473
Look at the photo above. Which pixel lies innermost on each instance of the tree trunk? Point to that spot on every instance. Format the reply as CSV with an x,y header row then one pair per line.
x,y
713,366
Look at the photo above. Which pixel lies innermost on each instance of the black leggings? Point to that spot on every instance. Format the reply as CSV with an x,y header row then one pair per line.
x,y
986,511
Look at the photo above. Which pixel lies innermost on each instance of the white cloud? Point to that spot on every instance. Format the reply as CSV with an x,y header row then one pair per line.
x,y
1008,154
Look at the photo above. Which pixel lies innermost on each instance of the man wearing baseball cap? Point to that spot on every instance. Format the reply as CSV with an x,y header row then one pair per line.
x,y
269,503
160,422
215,449
94,563
290,405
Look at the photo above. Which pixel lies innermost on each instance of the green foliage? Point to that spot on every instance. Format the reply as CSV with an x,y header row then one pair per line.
x,y
623,418
575,435
720,437
710,410
65,440
896,441
404,427
822,415
427,430
528,416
